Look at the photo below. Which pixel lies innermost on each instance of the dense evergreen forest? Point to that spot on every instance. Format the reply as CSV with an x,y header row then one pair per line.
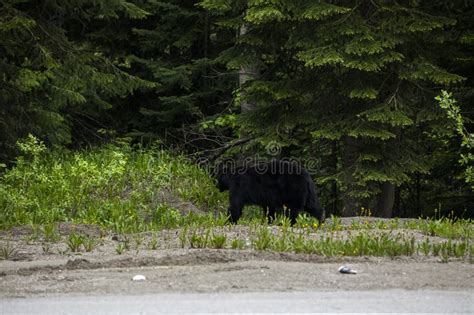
x,y
379,94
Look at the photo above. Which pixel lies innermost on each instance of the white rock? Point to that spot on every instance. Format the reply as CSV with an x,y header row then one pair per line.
x,y
139,278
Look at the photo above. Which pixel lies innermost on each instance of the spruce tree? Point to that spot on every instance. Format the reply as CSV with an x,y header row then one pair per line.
x,y
53,82
174,46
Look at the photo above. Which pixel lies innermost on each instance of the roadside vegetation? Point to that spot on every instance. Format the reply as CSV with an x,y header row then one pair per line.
x,y
156,200
117,187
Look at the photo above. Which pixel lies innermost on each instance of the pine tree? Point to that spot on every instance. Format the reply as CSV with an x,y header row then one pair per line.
x,y
174,46
54,83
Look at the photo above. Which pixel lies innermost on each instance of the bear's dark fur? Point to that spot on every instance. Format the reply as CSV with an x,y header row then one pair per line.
x,y
271,186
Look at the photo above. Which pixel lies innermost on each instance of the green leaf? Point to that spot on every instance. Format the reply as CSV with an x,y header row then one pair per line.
x,y
216,5
423,70
321,56
372,157
259,15
371,132
133,11
28,80
318,11
364,93
387,116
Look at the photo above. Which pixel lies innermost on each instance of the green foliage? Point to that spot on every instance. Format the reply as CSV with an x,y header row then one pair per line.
x,y
347,83
218,241
318,11
173,47
54,81
453,111
379,238
444,227
218,5
153,244
258,14
50,232
349,72
31,146
75,241
7,251
228,120
199,239
89,243
120,248
116,187
237,244
263,238
305,221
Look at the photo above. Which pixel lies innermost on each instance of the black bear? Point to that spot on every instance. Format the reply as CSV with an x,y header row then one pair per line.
x,y
271,186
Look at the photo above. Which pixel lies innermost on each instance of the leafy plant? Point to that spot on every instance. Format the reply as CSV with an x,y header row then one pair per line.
x,y
285,222
89,243
50,232
299,243
218,240
138,238
263,239
75,241
336,223
425,247
281,244
153,244
199,240
120,248
436,248
46,248
117,187
460,249
7,251
303,220
183,235
444,255
444,227
448,103
237,243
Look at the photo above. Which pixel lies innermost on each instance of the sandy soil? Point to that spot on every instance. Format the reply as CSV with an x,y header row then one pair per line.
x,y
35,270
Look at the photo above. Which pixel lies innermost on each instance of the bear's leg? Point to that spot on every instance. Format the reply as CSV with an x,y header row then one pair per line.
x,y
235,210
293,215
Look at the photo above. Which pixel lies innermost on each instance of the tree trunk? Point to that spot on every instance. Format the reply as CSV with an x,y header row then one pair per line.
x,y
397,206
334,184
418,211
386,200
350,158
246,73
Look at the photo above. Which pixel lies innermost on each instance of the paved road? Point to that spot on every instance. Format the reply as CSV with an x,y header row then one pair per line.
x,y
337,301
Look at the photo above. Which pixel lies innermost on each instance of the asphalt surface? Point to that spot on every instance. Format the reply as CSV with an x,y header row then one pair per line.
x,y
393,301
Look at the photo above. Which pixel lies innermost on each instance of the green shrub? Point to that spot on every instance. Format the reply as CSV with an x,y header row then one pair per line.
x,y
120,248
237,243
263,238
75,241
199,240
218,241
89,243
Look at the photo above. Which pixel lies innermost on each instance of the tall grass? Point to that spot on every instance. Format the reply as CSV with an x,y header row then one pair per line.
x,y
115,186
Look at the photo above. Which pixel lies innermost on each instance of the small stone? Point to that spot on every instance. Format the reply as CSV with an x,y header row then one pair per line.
x,y
344,269
139,278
